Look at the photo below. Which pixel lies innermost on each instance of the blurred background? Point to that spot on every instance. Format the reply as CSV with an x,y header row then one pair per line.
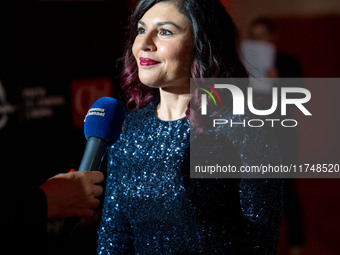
x,y
308,31
58,57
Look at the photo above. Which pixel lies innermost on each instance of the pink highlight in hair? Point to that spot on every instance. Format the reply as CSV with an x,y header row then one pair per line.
x,y
138,95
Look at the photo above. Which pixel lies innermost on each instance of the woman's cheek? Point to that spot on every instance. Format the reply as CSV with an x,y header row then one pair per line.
x,y
173,53
135,48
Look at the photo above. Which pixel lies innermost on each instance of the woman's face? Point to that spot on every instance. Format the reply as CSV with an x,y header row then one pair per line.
x,y
163,48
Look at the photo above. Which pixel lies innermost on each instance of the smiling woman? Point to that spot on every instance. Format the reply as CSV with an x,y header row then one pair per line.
x,y
213,51
151,204
162,48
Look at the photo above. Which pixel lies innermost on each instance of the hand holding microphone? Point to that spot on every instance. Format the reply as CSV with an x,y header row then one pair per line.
x,y
74,194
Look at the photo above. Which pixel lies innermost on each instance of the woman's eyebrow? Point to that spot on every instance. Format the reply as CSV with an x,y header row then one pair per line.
x,y
169,23
162,23
141,22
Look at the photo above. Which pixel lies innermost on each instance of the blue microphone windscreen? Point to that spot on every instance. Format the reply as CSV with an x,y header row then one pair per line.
x,y
105,119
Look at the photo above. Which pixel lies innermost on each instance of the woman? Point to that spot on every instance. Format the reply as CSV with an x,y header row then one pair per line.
x,y
151,205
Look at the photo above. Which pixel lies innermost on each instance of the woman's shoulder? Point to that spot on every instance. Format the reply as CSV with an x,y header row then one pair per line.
x,y
253,136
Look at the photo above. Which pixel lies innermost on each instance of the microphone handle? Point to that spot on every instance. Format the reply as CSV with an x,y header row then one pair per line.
x,y
93,155
94,152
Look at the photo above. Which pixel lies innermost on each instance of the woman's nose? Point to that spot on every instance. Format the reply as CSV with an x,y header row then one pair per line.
x,y
148,43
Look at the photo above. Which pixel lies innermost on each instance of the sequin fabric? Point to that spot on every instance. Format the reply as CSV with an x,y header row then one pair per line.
x,y
153,207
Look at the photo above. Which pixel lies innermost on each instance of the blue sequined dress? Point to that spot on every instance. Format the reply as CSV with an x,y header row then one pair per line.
x,y
152,206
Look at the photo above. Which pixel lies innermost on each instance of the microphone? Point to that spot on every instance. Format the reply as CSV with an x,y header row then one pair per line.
x,y
103,125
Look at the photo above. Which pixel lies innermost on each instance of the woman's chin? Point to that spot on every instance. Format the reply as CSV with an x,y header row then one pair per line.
x,y
152,83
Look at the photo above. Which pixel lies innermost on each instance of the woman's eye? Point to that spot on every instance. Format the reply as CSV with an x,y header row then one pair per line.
x,y
140,30
165,32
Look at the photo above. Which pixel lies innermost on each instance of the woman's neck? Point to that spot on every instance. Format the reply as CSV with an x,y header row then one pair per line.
x,y
172,106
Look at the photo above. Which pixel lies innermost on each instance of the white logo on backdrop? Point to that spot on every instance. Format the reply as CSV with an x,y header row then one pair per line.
x,y
5,107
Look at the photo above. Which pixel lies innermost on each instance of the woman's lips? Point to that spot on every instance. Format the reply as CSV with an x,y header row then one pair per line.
x,y
148,62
